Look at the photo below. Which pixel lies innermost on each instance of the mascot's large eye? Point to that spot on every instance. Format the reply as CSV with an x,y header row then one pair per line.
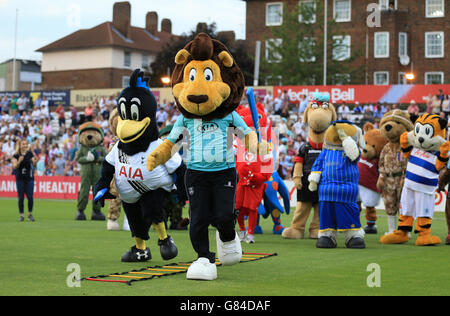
x,y
417,129
208,74
134,112
123,112
325,105
192,74
315,106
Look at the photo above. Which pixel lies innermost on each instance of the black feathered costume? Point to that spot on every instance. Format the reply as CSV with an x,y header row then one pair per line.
x,y
140,190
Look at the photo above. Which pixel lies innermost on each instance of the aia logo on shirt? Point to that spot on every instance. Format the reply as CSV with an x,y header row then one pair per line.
x,y
131,173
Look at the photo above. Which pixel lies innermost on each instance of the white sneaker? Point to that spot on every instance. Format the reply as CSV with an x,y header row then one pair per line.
x,y
112,225
242,234
125,225
230,252
202,269
250,239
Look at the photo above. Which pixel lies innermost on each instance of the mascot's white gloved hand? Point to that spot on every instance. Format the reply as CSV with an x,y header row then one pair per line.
x,y
90,157
314,179
350,146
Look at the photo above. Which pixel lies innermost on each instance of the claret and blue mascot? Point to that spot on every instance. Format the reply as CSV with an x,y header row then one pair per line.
x,y
141,191
427,150
208,86
335,174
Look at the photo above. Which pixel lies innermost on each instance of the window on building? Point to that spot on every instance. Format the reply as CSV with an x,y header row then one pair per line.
x,y
308,8
274,81
388,5
434,8
434,44
341,79
381,78
274,13
402,44
125,82
145,61
342,10
381,46
341,47
127,59
272,55
307,50
434,78
402,78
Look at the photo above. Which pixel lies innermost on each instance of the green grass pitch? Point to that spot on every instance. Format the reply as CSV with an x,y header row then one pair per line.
x,y
34,259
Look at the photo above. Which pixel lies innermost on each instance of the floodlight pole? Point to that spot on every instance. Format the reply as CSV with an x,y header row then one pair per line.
x,y
325,42
257,63
13,87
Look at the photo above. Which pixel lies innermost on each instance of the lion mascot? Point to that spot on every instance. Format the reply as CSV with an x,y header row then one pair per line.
x,y
426,150
318,115
208,86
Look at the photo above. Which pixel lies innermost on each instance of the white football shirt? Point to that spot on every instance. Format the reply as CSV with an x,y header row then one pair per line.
x,y
132,176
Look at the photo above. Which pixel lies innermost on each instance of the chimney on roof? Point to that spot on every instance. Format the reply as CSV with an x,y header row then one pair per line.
x,y
151,22
166,26
122,17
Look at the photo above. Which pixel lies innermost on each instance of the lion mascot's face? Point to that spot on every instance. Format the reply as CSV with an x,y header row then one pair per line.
x,y
206,82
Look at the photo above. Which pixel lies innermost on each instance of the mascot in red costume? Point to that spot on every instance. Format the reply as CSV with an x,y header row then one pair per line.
x,y
253,172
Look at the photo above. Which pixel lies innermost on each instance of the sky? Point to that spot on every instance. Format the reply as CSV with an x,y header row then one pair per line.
x,y
41,22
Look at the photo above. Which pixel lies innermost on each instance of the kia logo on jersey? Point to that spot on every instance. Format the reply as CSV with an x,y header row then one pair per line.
x,y
208,127
131,173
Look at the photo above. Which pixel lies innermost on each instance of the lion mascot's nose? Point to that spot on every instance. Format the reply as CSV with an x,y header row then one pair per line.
x,y
197,99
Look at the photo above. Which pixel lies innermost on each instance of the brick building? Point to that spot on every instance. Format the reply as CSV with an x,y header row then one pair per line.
x,y
104,56
413,36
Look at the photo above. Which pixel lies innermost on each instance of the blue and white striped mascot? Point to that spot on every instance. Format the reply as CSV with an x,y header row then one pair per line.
x,y
335,174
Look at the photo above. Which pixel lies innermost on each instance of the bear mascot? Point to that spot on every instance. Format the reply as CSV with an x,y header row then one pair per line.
x,y
208,86
115,205
426,151
369,195
90,157
141,191
318,115
392,165
253,171
335,174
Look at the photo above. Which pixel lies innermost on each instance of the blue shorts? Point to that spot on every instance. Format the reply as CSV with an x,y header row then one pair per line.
x,y
339,216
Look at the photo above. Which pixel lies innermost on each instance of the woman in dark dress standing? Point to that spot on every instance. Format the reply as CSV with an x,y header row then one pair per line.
x,y
24,161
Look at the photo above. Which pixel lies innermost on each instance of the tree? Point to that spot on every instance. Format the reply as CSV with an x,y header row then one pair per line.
x,y
295,50
164,61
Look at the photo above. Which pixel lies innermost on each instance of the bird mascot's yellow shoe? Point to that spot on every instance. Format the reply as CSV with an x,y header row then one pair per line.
x,y
400,235
423,227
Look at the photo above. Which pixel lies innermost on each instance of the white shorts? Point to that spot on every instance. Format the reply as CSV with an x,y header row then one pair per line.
x,y
368,197
416,204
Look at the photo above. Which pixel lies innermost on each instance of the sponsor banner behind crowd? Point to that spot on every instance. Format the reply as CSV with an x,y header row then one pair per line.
x,y
365,93
54,97
66,188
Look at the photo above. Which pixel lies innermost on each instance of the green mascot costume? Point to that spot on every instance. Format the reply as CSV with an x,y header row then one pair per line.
x,y
90,157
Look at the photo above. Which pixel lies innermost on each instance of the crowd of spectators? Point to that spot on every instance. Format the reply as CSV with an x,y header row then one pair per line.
x,y
52,131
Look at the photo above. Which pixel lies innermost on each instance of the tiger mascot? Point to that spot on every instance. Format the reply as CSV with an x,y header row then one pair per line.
x,y
426,150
